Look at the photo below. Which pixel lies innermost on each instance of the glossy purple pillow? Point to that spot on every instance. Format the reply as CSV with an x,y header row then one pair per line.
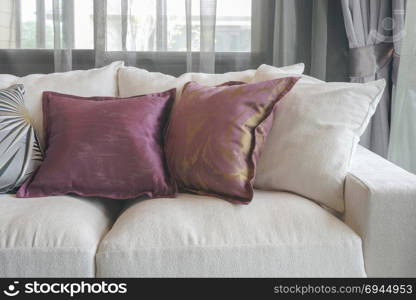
x,y
102,146
215,136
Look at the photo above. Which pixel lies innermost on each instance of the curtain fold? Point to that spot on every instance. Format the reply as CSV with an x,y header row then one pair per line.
x,y
188,22
40,24
100,32
373,29
16,21
63,27
319,37
161,25
124,8
304,32
208,11
292,32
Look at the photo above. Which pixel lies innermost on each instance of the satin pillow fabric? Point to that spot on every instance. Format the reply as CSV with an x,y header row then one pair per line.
x,y
216,134
103,146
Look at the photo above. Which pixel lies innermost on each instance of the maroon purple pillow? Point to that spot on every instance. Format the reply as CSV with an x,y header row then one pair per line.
x,y
102,146
215,136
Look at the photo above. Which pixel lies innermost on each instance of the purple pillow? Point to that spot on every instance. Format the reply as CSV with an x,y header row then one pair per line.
x,y
102,146
215,136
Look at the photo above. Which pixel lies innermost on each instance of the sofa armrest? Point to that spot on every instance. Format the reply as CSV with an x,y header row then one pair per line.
x,y
380,205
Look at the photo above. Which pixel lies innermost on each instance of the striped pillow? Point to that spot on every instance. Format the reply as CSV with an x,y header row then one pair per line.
x,y
20,153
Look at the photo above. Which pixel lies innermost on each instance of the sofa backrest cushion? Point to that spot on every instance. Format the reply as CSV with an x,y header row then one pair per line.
x,y
267,72
86,83
135,81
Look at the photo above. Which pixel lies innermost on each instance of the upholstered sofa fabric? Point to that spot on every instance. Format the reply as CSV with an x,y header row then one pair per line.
x,y
86,83
52,237
278,234
380,205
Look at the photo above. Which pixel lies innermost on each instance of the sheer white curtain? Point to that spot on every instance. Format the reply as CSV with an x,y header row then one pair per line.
x,y
63,24
172,36
402,150
144,26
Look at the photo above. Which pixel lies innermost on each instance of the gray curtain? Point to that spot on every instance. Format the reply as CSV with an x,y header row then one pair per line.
x,y
373,29
311,31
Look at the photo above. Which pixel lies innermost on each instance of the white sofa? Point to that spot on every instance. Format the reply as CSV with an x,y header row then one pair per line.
x,y
279,234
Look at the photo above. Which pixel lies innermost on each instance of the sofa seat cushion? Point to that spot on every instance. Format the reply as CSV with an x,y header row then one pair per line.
x,y
278,235
53,236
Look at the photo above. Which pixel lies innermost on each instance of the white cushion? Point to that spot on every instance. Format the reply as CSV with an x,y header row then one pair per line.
x,y
135,81
267,72
216,79
94,82
277,235
243,76
315,131
53,236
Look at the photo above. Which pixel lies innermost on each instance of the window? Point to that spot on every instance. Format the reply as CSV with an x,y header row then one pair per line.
x,y
150,25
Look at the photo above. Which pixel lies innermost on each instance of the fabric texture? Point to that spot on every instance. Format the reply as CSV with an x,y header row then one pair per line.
x,y
380,200
278,235
135,81
19,146
107,147
216,134
52,237
315,132
375,30
88,83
